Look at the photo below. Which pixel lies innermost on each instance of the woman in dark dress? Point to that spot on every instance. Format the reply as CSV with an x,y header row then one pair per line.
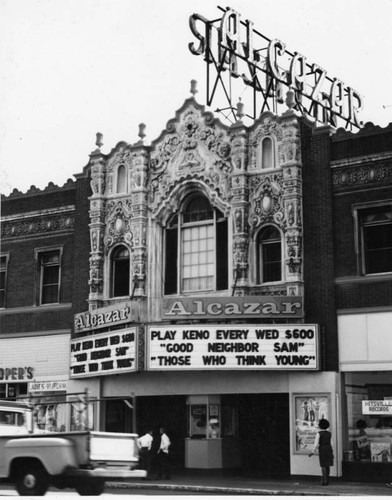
x,y
323,443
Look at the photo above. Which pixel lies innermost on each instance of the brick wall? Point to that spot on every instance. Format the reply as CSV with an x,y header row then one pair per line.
x,y
22,312
318,241
372,144
82,245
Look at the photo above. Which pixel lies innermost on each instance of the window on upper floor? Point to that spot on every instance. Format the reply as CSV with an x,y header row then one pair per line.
x,y
374,238
49,271
267,153
120,266
3,280
121,179
196,257
269,255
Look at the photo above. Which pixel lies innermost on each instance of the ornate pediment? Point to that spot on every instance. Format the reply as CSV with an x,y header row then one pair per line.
x,y
192,147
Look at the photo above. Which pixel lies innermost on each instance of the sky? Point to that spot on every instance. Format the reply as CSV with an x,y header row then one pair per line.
x,y
71,68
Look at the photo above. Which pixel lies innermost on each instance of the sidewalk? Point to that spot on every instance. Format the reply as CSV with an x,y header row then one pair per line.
x,y
237,485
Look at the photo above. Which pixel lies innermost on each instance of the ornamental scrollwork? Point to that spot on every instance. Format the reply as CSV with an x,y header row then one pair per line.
x,y
192,149
118,224
357,176
266,200
13,229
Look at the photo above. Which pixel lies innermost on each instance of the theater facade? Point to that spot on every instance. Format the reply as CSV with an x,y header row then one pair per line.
x,y
230,282
211,291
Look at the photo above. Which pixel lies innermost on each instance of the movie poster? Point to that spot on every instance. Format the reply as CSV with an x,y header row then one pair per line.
x,y
309,410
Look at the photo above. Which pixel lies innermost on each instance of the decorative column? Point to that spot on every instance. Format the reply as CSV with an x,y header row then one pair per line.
x,y
292,202
139,194
239,192
97,225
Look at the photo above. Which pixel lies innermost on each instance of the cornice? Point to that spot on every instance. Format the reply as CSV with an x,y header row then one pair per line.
x,y
35,309
38,213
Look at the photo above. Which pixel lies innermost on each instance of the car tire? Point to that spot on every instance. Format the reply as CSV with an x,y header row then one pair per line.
x,y
32,480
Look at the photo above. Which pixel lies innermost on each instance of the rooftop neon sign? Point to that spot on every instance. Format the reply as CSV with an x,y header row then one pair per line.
x,y
236,52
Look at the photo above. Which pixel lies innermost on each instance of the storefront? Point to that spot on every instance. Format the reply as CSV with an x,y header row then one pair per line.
x,y
37,370
231,396
365,345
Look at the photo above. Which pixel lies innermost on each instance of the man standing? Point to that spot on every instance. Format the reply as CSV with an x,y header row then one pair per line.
x,y
145,443
163,454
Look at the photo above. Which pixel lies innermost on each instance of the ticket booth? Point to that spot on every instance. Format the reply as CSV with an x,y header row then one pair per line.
x,y
212,435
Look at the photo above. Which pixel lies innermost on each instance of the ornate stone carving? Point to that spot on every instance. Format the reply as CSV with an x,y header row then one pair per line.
x,y
290,143
192,147
34,226
98,171
361,175
266,200
267,126
294,252
96,275
118,224
122,156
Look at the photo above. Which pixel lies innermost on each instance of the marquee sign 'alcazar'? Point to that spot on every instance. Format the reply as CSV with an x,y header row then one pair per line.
x,y
233,47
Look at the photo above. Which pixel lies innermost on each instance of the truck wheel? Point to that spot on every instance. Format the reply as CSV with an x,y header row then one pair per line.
x,y
32,481
91,487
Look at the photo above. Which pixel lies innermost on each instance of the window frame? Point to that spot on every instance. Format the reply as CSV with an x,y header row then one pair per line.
x,y
358,211
179,226
273,153
38,255
113,253
259,255
123,189
4,270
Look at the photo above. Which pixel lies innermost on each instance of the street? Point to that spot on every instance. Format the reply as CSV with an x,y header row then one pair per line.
x,y
7,490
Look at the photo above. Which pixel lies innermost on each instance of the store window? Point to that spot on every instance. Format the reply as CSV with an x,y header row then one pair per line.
x,y
3,280
49,270
121,179
56,413
194,259
120,267
269,255
374,238
12,391
369,417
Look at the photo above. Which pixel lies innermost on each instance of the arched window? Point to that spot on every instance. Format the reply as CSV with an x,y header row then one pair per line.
x,y
196,248
120,272
121,179
269,255
267,153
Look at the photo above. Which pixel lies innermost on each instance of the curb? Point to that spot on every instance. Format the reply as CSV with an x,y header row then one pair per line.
x,y
223,490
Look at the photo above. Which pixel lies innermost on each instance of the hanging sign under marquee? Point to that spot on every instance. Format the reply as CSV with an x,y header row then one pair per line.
x,y
232,347
377,407
103,354
48,386
236,53
233,307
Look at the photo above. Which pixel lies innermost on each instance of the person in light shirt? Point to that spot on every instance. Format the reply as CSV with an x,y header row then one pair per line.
x,y
145,444
163,454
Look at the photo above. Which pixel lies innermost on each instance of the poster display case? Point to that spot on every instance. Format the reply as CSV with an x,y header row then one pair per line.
x,y
309,409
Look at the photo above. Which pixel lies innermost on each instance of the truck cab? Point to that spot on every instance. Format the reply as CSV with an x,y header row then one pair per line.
x,y
15,418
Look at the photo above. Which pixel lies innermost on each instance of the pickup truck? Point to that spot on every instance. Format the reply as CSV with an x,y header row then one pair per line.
x,y
33,459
